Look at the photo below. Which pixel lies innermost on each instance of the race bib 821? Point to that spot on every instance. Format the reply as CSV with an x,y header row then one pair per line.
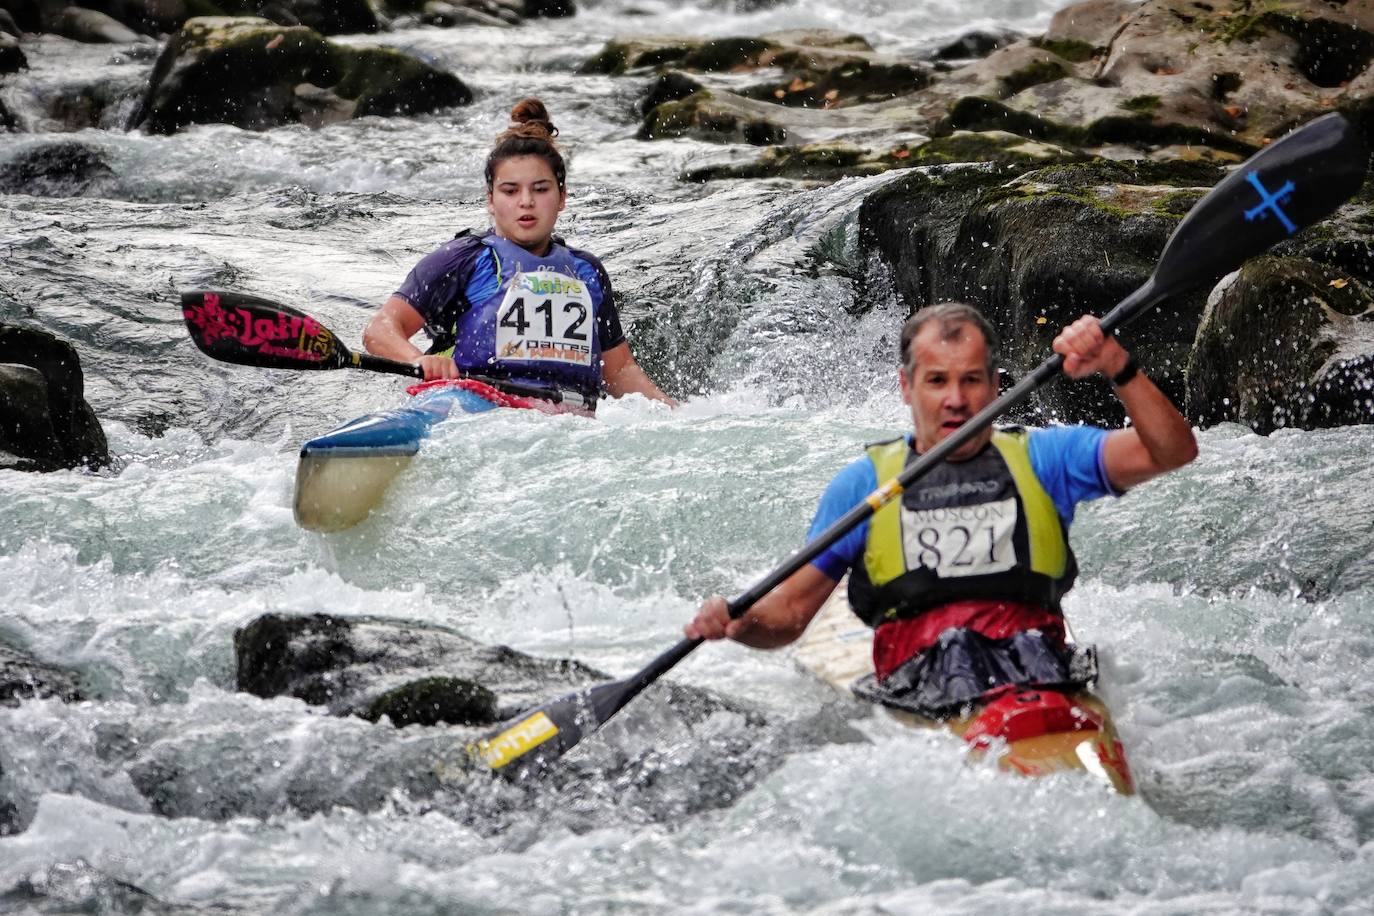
x,y
961,540
546,315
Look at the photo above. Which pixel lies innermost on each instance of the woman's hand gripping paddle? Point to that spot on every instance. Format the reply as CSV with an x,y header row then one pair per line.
x,y
1297,181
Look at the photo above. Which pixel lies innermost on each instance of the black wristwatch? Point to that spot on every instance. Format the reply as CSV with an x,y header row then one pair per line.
x,y
1127,372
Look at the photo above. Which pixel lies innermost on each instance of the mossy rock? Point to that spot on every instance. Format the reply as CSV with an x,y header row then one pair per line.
x,y
703,55
859,82
718,117
436,700
245,72
1284,343
1139,130
1035,246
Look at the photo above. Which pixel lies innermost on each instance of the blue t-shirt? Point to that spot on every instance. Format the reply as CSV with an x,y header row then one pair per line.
x,y
1067,459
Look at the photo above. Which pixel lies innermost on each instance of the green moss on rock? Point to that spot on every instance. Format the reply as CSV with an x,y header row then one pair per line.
x,y
435,700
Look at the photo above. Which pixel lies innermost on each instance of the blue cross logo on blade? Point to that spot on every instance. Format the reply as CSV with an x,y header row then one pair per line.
x,y
1270,202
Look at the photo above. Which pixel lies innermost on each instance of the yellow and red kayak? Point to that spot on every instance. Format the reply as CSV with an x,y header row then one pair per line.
x,y
1032,731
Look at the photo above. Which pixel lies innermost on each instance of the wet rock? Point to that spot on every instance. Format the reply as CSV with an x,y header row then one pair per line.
x,y
831,161
368,667
549,9
315,106
1092,24
245,72
8,24
77,887
975,44
432,700
1226,73
815,50
24,678
717,116
1035,248
1285,342
45,422
860,82
92,26
12,58
440,13
64,169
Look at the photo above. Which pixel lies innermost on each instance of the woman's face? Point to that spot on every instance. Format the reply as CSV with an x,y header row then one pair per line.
x,y
524,201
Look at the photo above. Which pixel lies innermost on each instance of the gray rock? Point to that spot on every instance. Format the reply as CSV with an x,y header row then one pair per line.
x,y
25,678
440,13
1285,342
12,58
246,72
8,23
976,44
92,26
45,422
62,169
1035,248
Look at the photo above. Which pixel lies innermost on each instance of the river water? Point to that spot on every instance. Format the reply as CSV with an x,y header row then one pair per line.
x,y
1233,602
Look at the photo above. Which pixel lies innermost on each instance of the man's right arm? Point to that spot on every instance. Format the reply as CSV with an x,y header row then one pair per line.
x,y
784,613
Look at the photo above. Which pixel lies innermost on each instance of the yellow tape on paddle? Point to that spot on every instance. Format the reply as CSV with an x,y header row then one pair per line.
x,y
515,741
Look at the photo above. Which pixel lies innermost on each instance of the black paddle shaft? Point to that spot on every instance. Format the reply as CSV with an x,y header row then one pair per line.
x,y
1291,184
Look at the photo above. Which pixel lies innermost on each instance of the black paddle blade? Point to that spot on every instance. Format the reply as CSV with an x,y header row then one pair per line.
x,y
248,331
525,745
1291,184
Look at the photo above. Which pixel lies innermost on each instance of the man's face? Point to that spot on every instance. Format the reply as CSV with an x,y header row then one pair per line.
x,y
949,384
524,201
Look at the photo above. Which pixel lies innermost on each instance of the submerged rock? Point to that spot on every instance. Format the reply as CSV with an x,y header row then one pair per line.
x,y
247,72
414,673
77,887
45,422
25,678
64,169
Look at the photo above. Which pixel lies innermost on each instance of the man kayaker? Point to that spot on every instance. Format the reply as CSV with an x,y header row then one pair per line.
x,y
966,570
514,303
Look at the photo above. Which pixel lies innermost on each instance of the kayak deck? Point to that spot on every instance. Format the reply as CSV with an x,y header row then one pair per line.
x,y
1032,731
344,474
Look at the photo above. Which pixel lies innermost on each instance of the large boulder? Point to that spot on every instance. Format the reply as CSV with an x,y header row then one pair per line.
x,y
256,75
815,50
45,422
1285,341
152,17
1035,248
412,673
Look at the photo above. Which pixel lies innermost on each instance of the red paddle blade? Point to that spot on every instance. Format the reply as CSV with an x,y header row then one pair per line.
x,y
248,331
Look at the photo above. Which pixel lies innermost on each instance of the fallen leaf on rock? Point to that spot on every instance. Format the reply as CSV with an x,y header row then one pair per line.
x,y
832,95
275,41
900,153
1339,283
1234,111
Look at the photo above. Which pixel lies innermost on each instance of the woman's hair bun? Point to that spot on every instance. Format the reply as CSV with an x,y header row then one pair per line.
x,y
531,112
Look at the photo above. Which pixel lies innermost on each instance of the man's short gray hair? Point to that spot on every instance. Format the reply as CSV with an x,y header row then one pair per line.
x,y
952,317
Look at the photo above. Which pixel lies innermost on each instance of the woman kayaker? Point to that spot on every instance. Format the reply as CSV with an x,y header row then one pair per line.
x,y
514,305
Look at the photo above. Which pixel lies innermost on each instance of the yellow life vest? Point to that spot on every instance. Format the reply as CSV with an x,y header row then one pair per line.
x,y
984,528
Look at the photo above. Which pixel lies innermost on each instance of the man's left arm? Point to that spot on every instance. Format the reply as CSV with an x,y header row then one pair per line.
x,y
1159,439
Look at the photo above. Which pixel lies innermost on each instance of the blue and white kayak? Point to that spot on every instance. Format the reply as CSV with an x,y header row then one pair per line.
x,y
344,474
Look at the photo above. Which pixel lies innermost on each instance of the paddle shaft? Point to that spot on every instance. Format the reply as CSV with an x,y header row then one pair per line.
x,y
382,364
